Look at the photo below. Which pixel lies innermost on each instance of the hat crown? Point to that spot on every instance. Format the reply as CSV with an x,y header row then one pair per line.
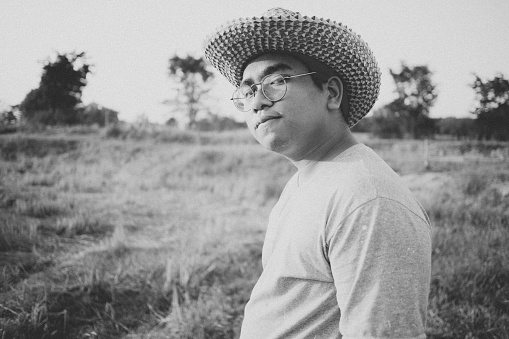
x,y
278,11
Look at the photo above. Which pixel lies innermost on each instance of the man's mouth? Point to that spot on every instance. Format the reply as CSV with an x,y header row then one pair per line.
x,y
267,117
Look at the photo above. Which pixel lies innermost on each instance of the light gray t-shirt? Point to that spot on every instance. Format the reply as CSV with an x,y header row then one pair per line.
x,y
347,254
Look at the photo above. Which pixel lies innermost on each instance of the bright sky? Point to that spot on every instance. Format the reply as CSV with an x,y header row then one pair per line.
x,y
130,42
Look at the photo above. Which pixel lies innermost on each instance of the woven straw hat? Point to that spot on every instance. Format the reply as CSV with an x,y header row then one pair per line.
x,y
232,45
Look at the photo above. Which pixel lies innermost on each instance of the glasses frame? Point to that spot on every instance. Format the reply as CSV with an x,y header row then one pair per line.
x,y
255,89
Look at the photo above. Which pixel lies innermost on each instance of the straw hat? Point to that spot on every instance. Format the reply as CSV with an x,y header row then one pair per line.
x,y
232,45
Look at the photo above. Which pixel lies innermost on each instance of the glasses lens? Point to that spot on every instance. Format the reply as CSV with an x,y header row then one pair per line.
x,y
274,87
242,98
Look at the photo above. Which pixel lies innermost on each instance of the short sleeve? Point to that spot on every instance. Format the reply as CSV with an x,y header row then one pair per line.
x,y
380,259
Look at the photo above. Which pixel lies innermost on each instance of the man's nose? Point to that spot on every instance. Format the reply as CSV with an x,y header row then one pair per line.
x,y
260,101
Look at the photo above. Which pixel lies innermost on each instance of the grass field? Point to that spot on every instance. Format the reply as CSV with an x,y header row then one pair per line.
x,y
158,234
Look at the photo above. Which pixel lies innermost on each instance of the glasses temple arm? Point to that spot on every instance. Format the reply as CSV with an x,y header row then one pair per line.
x,y
298,75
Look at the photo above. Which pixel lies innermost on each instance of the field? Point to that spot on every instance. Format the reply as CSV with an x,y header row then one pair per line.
x,y
158,233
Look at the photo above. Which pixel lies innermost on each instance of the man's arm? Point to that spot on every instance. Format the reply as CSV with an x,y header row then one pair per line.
x,y
380,258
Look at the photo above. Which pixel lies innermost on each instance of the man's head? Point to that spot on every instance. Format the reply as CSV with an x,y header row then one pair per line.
x,y
317,43
287,111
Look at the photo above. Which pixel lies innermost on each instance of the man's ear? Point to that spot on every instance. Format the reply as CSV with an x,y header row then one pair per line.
x,y
335,89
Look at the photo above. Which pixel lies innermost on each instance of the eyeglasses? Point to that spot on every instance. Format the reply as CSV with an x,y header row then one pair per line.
x,y
273,88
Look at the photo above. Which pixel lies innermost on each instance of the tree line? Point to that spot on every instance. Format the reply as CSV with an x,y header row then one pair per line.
x,y
407,116
57,101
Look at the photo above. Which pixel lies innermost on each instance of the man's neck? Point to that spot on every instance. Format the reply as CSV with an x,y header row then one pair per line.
x,y
332,147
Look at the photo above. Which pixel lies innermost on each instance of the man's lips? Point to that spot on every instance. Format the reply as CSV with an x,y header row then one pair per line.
x,y
268,116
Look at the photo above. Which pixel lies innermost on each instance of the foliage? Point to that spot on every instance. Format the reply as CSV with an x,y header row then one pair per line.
x,y
387,124
96,114
416,94
491,93
54,101
492,107
457,128
214,122
192,78
168,134
7,116
8,119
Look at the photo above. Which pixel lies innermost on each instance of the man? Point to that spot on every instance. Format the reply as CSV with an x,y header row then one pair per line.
x,y
347,250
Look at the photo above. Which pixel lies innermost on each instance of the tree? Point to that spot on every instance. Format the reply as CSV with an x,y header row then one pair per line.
x,y
192,79
97,114
172,122
387,124
416,94
215,122
492,107
59,92
7,116
457,127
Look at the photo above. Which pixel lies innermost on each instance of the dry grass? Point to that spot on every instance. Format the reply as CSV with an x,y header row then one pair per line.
x,y
469,210
157,234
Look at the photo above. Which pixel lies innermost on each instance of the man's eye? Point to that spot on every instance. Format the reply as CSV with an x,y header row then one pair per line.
x,y
277,81
246,92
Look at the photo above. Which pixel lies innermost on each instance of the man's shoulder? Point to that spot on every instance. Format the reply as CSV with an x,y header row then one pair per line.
x,y
361,183
358,170
359,175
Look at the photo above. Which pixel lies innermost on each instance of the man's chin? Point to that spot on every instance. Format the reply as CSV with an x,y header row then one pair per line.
x,y
272,143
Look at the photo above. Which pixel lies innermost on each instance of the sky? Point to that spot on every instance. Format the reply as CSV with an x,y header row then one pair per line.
x,y
129,43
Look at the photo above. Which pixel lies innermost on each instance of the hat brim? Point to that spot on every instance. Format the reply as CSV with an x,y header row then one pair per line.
x,y
232,46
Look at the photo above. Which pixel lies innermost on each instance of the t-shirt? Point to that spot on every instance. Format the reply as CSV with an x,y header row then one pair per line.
x,y
347,254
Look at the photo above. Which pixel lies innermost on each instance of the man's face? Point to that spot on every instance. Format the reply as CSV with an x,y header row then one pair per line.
x,y
294,125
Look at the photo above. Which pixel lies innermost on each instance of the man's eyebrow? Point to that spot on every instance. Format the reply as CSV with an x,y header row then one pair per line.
x,y
269,70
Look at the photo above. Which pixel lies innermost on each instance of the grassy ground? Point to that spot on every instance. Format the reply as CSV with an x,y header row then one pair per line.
x,y
157,234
